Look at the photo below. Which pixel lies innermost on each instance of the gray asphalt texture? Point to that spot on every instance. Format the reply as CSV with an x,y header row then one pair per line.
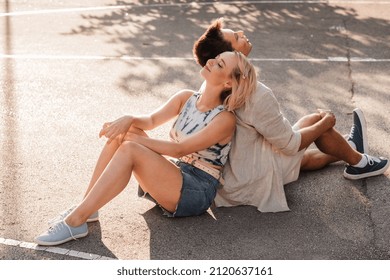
x,y
66,69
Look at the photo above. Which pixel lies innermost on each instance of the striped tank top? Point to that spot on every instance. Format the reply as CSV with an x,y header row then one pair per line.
x,y
190,121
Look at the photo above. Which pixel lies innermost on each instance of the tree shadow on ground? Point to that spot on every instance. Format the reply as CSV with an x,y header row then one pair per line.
x,y
151,30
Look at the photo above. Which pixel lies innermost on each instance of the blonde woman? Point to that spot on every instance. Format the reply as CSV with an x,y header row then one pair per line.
x,y
200,141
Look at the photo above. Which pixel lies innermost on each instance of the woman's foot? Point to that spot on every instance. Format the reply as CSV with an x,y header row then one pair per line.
x,y
60,233
93,218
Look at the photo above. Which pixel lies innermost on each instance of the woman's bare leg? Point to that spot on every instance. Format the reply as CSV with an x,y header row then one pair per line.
x,y
105,156
164,186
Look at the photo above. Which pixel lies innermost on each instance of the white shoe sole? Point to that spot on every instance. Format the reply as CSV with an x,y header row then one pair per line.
x,y
367,175
53,243
91,220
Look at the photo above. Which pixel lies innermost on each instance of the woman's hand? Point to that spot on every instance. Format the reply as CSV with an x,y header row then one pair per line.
x,y
117,128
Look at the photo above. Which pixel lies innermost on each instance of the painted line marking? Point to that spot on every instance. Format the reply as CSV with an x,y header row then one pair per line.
x,y
194,4
160,58
87,57
54,250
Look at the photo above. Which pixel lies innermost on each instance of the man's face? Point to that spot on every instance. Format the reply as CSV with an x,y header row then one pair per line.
x,y
238,40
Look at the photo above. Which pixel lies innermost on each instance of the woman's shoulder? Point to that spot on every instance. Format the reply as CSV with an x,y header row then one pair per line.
x,y
185,93
182,97
226,116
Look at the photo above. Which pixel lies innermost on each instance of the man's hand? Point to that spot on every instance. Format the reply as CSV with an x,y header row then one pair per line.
x,y
327,117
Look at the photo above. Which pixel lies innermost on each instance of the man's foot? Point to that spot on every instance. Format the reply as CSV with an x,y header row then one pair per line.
x,y
93,218
357,138
375,166
60,233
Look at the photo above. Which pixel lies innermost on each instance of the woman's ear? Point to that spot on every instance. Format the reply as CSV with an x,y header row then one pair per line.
x,y
228,84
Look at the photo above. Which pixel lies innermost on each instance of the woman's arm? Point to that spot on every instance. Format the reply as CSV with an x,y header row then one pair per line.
x,y
220,130
170,109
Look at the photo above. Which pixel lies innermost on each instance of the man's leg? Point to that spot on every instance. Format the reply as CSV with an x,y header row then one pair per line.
x,y
314,159
334,147
334,144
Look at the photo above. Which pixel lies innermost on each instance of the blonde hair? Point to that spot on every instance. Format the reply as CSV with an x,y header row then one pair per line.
x,y
244,83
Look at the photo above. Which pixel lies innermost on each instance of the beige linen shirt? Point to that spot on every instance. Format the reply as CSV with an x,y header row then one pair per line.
x,y
253,172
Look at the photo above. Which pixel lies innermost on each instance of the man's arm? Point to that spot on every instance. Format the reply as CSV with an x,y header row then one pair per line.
x,y
265,117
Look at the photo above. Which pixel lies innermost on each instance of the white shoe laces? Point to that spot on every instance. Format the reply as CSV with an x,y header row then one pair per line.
x,y
61,216
371,160
58,226
352,132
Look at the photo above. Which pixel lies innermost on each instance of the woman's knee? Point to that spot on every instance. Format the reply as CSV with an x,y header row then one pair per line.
x,y
138,131
130,148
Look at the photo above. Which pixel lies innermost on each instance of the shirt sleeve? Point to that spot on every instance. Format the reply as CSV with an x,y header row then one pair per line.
x,y
265,116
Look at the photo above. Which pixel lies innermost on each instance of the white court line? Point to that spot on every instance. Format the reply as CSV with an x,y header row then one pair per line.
x,y
160,58
194,4
86,57
55,250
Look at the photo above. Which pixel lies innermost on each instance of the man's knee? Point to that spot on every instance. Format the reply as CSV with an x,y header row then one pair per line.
x,y
325,137
309,120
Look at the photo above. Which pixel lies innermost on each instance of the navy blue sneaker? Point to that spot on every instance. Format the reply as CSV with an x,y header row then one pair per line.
x,y
358,135
375,166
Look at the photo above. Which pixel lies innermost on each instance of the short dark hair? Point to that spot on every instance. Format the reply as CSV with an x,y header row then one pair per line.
x,y
211,43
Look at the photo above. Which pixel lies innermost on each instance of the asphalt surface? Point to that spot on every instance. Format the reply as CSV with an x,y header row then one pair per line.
x,y
67,67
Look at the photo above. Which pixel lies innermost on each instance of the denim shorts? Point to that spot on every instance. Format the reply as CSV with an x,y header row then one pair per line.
x,y
198,191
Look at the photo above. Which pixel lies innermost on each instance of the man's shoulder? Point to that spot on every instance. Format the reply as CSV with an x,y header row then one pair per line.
x,y
262,95
260,101
262,89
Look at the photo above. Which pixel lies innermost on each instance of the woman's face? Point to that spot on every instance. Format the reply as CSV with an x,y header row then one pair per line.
x,y
219,70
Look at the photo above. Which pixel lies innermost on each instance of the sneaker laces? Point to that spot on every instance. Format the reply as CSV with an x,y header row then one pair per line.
x,y
58,226
61,216
371,160
352,132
